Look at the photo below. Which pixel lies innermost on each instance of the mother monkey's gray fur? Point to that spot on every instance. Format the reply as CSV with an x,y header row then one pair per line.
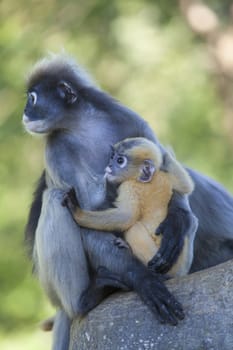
x,y
81,122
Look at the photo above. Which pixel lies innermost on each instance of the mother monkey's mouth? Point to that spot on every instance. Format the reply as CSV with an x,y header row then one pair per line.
x,y
34,126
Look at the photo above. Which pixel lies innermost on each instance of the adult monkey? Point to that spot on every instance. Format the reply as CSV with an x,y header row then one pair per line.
x,y
81,122
57,89
76,116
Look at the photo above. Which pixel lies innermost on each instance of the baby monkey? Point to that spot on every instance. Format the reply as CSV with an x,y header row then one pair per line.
x,y
146,180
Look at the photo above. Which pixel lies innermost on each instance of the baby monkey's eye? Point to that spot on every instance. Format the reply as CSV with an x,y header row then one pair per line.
x,y
121,161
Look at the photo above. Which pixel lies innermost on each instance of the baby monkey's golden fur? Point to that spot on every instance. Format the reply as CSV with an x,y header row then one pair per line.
x,y
141,206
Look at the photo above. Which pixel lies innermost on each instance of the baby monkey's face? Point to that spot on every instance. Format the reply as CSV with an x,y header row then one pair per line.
x,y
118,167
129,161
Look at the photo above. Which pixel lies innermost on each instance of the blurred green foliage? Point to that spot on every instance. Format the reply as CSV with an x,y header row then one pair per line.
x,y
142,53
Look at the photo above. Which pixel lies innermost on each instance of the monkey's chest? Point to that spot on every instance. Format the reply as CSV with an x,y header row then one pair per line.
x,y
154,198
68,169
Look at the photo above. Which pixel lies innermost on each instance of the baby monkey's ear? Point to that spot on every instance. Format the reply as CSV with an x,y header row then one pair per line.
x,y
147,171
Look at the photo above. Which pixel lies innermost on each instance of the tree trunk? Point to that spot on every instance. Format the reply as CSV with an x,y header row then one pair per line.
x,y
123,322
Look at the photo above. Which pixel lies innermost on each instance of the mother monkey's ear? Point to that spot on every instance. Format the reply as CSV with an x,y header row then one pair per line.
x,y
67,92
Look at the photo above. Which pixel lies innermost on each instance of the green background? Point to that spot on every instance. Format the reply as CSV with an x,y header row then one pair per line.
x,y
141,52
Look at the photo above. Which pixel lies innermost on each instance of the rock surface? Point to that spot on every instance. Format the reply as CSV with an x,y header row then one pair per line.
x,y
123,322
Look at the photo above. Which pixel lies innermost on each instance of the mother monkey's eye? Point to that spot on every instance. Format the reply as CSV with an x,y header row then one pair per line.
x,y
121,161
32,98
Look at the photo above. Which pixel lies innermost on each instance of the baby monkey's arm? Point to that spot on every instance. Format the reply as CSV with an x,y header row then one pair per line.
x,y
118,219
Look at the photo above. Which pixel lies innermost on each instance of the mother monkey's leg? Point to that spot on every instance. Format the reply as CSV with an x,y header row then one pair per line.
x,y
60,262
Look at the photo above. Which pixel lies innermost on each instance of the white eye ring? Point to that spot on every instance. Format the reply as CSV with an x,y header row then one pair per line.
x,y
33,97
121,161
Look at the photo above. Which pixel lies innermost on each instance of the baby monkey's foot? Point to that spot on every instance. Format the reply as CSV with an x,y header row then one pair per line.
x,y
70,200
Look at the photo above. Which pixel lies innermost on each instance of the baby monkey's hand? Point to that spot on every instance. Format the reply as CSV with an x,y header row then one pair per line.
x,y
70,201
